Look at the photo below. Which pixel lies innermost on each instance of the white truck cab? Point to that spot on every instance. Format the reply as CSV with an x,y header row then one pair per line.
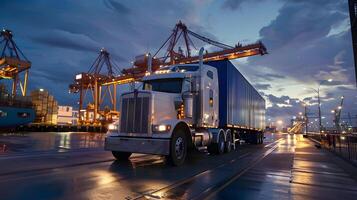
x,y
162,117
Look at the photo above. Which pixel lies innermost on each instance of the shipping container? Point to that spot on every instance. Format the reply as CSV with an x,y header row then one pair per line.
x,y
46,107
240,104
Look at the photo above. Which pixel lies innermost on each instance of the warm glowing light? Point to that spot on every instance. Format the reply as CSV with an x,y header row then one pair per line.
x,y
78,76
280,122
112,127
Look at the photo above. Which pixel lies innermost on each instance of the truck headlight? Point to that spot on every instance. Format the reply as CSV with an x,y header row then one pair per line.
x,y
112,127
161,128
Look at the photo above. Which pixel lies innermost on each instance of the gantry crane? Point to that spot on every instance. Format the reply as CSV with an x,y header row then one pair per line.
x,y
93,82
337,115
13,62
140,68
184,55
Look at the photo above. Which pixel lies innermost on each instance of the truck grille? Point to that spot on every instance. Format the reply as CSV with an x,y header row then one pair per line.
x,y
135,115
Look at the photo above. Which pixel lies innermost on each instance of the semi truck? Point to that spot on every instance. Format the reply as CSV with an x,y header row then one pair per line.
x,y
204,105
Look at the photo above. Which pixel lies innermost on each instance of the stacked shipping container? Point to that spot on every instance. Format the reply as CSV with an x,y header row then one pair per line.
x,y
46,107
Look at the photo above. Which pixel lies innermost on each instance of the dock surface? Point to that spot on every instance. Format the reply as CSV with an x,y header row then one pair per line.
x,y
284,167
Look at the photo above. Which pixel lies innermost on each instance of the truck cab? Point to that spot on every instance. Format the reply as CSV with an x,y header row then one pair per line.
x,y
168,115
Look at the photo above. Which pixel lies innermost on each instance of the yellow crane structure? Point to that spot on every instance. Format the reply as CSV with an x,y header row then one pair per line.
x,y
93,82
13,62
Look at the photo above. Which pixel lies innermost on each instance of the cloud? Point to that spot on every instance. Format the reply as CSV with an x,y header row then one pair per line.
x,y
282,107
260,86
63,38
299,42
268,76
116,6
67,40
237,4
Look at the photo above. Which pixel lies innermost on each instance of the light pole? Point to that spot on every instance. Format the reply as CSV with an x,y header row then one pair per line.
x,y
306,119
319,101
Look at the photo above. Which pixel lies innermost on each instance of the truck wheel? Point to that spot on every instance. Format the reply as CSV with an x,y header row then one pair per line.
x,y
217,148
178,148
228,143
121,155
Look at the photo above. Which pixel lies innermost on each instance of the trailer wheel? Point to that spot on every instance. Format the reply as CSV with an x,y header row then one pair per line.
x,y
121,155
228,143
217,148
178,148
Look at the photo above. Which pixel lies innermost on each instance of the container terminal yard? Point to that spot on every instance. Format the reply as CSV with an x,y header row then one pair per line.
x,y
184,116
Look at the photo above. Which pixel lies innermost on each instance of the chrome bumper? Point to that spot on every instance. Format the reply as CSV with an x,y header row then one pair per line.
x,y
137,145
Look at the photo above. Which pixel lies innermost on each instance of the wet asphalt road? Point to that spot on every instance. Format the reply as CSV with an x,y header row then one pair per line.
x,y
15,143
85,171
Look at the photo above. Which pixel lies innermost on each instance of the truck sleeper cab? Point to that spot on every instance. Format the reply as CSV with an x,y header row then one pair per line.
x,y
178,109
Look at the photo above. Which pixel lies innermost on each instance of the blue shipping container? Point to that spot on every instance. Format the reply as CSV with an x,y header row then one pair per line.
x,y
240,104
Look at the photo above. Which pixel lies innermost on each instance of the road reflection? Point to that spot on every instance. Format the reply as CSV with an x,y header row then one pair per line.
x,y
49,141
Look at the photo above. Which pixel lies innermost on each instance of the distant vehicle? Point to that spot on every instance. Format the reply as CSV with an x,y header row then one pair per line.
x,y
181,107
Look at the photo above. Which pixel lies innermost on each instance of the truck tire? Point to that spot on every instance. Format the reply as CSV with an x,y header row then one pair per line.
x,y
228,143
217,148
178,148
121,155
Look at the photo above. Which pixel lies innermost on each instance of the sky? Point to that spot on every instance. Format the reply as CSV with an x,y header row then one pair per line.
x,y
308,42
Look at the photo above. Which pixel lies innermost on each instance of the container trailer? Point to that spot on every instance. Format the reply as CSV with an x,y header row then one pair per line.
x,y
180,107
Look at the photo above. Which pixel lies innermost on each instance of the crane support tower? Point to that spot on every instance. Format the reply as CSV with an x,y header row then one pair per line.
x,y
102,103
13,62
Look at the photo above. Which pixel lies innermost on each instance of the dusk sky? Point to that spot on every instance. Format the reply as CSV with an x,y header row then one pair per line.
x,y
308,41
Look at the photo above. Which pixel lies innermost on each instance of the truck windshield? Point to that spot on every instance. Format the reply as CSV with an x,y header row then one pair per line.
x,y
173,85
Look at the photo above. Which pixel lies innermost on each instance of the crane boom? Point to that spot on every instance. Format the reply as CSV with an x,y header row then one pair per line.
x,y
228,52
